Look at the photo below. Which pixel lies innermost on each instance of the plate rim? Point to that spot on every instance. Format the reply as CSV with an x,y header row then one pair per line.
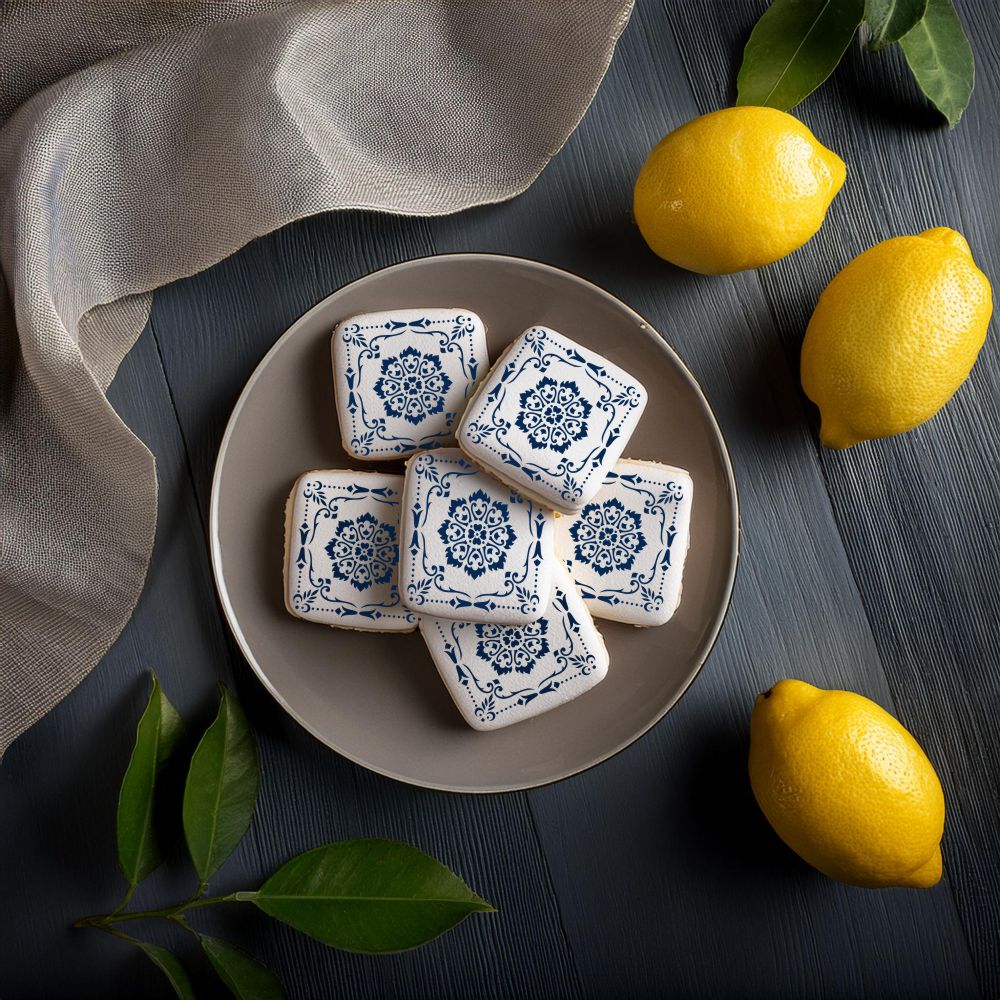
x,y
215,548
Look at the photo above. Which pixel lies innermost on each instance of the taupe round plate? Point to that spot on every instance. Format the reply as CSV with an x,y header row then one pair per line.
x,y
376,698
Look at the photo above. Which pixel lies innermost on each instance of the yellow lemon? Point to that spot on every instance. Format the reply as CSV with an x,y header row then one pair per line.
x,y
894,335
846,786
735,189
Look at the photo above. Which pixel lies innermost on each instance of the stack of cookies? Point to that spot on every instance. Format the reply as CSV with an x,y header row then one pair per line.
x,y
501,550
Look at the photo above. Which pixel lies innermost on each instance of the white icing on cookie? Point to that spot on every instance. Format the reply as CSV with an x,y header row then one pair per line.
x,y
626,548
472,548
402,378
552,418
342,551
500,674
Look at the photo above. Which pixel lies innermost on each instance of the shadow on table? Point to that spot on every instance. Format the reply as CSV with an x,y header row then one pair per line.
x,y
735,843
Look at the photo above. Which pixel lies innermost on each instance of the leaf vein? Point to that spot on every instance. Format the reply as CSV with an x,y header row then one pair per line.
x,y
270,897
798,49
218,790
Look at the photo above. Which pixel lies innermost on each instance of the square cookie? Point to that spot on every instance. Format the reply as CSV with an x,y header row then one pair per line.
x,y
626,548
472,549
402,378
551,418
501,674
342,551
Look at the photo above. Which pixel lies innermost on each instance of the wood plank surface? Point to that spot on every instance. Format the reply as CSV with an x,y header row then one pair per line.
x,y
316,796
918,513
654,874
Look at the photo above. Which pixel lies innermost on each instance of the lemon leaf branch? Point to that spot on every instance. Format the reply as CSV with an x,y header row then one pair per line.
x,y
797,44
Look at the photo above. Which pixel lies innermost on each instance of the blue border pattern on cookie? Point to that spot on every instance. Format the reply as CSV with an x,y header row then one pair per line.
x,y
365,343
430,584
312,588
492,693
609,407
656,499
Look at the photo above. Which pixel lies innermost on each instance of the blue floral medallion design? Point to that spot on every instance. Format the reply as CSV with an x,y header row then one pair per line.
x,y
412,385
620,547
553,414
509,647
500,674
472,549
402,378
344,550
364,551
477,534
552,418
608,537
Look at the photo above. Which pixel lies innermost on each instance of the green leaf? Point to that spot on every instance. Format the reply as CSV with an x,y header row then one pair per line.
x,y
244,976
940,57
368,895
793,48
170,965
159,729
221,788
889,20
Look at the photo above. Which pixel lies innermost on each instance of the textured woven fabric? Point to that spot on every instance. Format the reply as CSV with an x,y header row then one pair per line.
x,y
142,142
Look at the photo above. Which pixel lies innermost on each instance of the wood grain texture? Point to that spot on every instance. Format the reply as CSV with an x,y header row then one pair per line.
x,y
918,513
796,611
316,796
653,874
59,782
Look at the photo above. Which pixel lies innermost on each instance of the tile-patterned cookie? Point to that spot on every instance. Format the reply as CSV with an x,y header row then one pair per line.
x,y
472,548
501,674
626,548
402,378
342,551
551,418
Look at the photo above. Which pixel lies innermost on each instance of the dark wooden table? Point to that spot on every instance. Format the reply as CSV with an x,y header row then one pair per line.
x,y
654,874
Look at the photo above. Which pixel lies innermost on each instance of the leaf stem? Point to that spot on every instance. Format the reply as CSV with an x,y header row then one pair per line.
x,y
198,893
121,934
233,897
181,922
110,930
125,900
104,921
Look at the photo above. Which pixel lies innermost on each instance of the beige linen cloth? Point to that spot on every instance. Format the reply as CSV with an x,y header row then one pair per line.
x,y
142,142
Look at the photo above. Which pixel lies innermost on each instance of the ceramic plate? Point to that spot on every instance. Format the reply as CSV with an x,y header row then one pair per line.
x,y
377,698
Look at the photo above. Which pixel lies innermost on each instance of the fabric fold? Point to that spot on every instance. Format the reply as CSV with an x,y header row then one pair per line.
x,y
142,143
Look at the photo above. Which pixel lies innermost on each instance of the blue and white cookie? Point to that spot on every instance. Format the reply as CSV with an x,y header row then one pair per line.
x,y
402,378
342,551
626,548
502,674
472,549
551,419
